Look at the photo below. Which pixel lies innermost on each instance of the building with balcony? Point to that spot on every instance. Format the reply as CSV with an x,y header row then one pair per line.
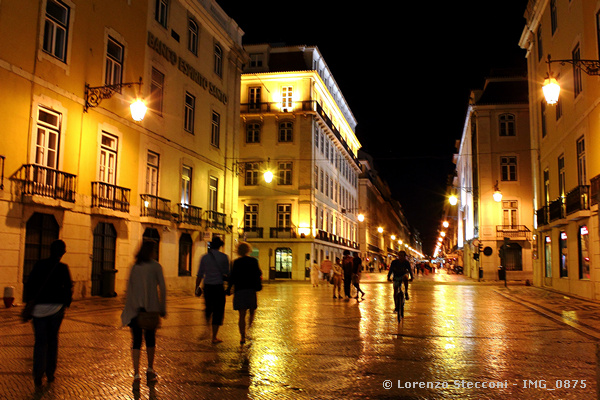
x,y
566,175
78,168
297,124
494,156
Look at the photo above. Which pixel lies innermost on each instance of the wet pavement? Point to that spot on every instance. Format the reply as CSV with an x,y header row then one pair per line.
x,y
461,339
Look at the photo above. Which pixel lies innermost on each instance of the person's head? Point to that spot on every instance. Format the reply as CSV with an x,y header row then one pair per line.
x,y
57,249
147,251
402,255
337,260
356,254
244,249
346,252
216,243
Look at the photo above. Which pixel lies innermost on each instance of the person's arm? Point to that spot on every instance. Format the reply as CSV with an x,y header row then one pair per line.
x,y
199,278
390,270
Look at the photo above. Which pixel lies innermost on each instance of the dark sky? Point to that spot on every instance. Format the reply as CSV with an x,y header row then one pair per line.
x,y
406,71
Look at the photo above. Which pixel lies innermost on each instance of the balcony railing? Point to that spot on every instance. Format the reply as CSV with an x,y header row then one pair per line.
x,y
578,199
594,189
542,216
273,107
215,220
556,209
156,207
189,214
110,196
47,182
513,232
2,171
283,232
252,232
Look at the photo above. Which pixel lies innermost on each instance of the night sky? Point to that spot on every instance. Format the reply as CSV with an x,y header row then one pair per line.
x,y
406,71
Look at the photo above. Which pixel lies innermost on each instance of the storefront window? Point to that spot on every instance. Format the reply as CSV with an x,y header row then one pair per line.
x,y
584,256
548,256
563,255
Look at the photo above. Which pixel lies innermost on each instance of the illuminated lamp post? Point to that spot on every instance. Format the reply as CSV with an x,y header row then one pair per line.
x,y
93,96
551,88
497,193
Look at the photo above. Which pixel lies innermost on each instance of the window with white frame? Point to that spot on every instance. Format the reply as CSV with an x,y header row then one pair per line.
x,y
108,158
509,213
581,170
508,166
286,98
254,98
507,124
250,215
56,29
252,173
47,138
284,215
213,193
256,60
152,165
193,36
285,173
189,112
215,132
114,62
186,185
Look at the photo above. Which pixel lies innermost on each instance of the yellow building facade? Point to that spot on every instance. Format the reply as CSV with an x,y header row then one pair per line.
x,y
297,124
77,167
564,136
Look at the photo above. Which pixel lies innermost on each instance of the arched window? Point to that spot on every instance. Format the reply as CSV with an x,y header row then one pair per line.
x,y
193,36
507,125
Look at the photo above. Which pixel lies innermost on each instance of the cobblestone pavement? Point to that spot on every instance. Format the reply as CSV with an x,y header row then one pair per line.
x,y
459,338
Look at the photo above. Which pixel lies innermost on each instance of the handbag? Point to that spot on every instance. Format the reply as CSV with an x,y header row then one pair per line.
x,y
258,287
148,320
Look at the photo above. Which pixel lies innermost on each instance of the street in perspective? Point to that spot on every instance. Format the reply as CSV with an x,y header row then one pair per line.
x,y
460,339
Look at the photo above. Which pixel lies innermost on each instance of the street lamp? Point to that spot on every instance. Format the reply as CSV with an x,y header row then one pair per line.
x,y
551,88
453,199
497,193
93,96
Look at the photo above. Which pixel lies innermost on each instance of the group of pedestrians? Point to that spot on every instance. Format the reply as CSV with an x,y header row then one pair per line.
x,y
346,271
50,287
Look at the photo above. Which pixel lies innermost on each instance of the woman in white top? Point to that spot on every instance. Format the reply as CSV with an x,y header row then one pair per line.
x,y
146,291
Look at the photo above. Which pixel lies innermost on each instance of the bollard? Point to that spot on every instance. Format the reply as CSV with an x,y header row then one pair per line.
x,y
9,296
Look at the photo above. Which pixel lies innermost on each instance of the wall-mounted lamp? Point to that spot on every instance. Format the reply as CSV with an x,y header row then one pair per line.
x,y
497,193
551,88
242,167
380,229
93,96
453,200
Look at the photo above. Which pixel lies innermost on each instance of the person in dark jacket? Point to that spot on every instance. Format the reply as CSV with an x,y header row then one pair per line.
x,y
347,266
245,279
49,284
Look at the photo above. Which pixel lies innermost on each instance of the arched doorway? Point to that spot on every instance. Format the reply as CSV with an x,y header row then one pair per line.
x,y
103,259
40,231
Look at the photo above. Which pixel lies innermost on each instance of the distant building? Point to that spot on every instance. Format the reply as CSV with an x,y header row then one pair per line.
x,y
494,154
297,124
564,137
77,167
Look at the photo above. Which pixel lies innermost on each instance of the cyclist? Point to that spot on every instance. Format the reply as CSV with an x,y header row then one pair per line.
x,y
400,269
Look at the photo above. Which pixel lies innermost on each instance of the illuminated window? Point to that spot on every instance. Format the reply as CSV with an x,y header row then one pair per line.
x,y
152,174
286,98
114,62
584,253
548,256
254,99
56,29
213,194
562,245
186,185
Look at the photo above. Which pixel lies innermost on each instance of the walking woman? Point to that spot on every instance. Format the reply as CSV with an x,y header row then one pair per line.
x,y
246,280
314,274
49,284
146,291
337,278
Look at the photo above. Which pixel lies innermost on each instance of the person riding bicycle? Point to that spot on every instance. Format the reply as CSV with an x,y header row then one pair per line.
x,y
400,269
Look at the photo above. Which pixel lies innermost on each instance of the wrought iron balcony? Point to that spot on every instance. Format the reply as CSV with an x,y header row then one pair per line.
x,y
47,182
252,232
274,107
283,232
556,209
110,196
188,214
513,232
215,220
594,189
578,199
542,216
156,207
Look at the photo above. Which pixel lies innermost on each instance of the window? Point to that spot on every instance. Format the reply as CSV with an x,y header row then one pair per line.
x,y
103,257
256,60
218,60
193,36
185,254
327,185
48,138
584,253
507,125
186,185
546,186
253,132
114,62
508,166
161,12
561,176
286,98
215,132
286,132
581,170
577,84
156,91
562,245
283,262
213,194
284,215
285,173
152,174
56,29
548,256
108,158
189,112
250,215
252,173
543,118
540,47
509,213
553,16
254,98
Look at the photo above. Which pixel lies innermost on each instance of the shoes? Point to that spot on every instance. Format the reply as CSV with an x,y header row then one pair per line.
x,y
216,341
38,384
406,296
363,296
334,296
151,377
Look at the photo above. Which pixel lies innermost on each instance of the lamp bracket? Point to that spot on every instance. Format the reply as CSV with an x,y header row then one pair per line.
x,y
590,67
93,95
